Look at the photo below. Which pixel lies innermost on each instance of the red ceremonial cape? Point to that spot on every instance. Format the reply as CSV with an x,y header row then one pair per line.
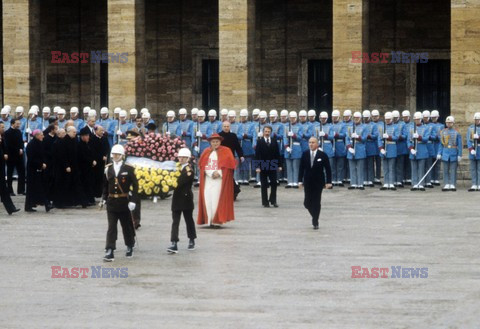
x,y
226,162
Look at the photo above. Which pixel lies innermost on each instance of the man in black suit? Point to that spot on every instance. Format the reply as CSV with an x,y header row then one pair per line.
x,y
4,194
314,165
267,161
14,143
182,201
230,140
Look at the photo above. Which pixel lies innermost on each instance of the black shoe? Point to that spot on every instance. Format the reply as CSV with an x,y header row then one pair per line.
x,y
400,185
414,189
295,186
341,185
445,189
48,208
191,244
407,183
266,206
360,188
196,184
315,227
421,189
30,210
288,186
275,205
109,256
393,188
129,253
453,189
383,188
351,187
12,194
173,248
256,186
429,186
472,190
13,211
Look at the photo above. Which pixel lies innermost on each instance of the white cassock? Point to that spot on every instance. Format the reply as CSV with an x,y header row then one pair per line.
x,y
213,187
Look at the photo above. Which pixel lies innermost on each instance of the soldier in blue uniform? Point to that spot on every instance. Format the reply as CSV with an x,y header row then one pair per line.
x,y
124,126
223,116
203,132
371,148
473,143
278,133
5,117
284,122
418,137
19,112
326,135
186,128
307,129
339,149
45,117
436,128
133,116
293,150
172,127
388,145
312,115
146,119
347,120
215,125
377,160
194,115
107,124
77,122
450,152
261,123
32,124
398,170
248,142
431,149
237,129
404,170
62,121
357,154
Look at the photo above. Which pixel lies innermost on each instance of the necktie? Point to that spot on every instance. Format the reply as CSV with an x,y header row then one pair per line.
x,y
268,141
312,157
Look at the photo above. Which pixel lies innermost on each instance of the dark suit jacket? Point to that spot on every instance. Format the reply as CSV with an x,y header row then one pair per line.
x,y
14,143
267,157
230,140
182,198
313,178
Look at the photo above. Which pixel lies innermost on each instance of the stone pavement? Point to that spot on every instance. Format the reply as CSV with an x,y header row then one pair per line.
x,y
267,269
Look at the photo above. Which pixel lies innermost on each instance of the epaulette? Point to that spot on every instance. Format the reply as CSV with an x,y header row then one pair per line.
x,y
108,165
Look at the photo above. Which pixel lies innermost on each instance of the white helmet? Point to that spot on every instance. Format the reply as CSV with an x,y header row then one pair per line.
x,y
19,109
224,112
417,115
244,113
104,110
212,113
117,110
388,116
182,111
450,119
273,113
232,114
184,152
62,112
263,114
406,113
46,109
8,107
426,114
122,114
284,113
396,114
375,113
170,114
312,113
323,115
255,112
201,113
347,113
357,115
35,107
118,149
476,116
74,110
435,114
56,108
86,109
32,111
144,110
302,113
366,114
92,113
292,114
4,111
335,113
194,111
146,115
133,112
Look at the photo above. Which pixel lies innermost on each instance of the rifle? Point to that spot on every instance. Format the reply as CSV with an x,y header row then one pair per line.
x,y
290,139
118,128
415,143
259,128
353,139
321,138
28,126
385,140
199,140
475,142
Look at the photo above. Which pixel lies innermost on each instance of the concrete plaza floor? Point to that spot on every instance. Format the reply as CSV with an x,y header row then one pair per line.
x,y
267,269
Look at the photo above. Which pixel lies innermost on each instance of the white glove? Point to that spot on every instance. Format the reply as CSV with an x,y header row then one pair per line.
x,y
131,206
413,151
439,156
199,134
289,150
385,136
475,136
415,135
260,135
167,133
119,132
383,151
197,149
28,130
101,203
354,135
473,152
351,150
459,158
321,134
290,133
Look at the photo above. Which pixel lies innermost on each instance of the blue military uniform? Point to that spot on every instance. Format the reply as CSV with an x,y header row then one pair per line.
x,y
308,131
327,141
431,152
402,153
377,159
216,126
124,127
372,151
61,124
435,137
187,132
339,130
293,157
32,125
173,128
6,122
237,129
109,127
79,124
356,161
450,149
248,142
474,159
206,129
390,145
418,160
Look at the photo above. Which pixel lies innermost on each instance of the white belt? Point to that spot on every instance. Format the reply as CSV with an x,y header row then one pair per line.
x,y
296,143
327,142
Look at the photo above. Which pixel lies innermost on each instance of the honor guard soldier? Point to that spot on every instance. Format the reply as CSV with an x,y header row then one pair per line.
x,y
203,132
262,122
348,122
326,136
214,123
293,150
123,127
450,152
387,144
248,142
171,128
19,112
356,139
378,161
401,144
371,148
339,149
223,115
32,123
62,121
307,128
436,128
473,134
133,116
77,122
278,131
404,171
182,202
120,186
284,122
186,127
4,117
237,129
194,117
107,124
418,137
431,150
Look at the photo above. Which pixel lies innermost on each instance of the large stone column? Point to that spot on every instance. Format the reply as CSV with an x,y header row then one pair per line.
x,y
347,37
236,19
465,59
21,73
126,34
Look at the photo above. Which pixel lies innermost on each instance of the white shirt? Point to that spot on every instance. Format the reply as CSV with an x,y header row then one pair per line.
x,y
312,157
267,140
116,167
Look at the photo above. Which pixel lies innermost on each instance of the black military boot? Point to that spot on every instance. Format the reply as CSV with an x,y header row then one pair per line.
x,y
191,244
173,248
109,256
129,253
